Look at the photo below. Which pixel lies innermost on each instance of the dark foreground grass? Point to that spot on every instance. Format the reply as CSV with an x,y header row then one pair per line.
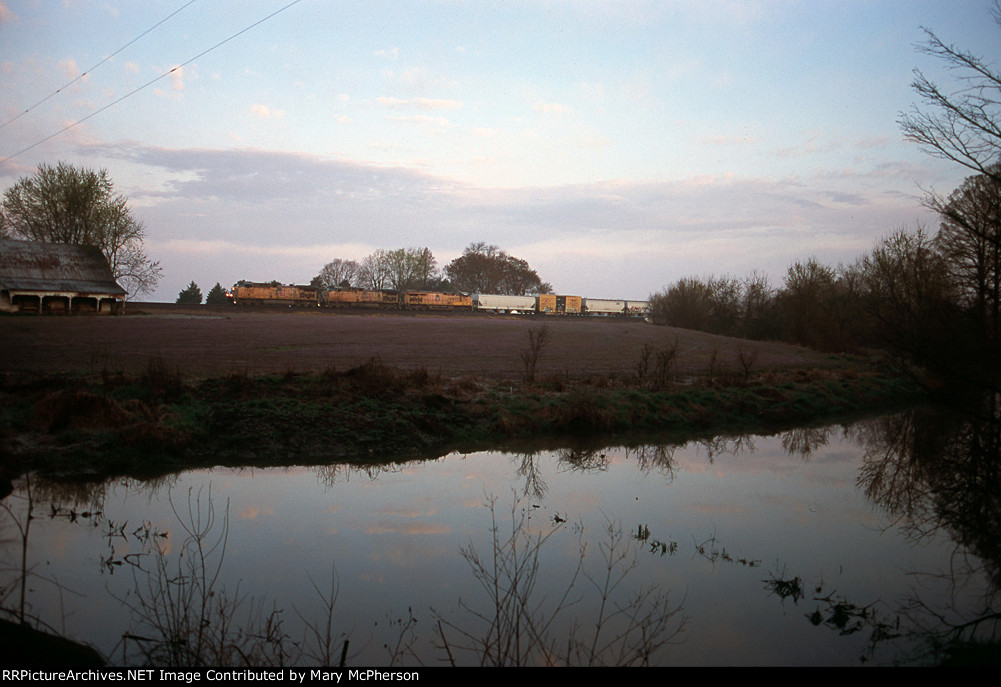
x,y
157,422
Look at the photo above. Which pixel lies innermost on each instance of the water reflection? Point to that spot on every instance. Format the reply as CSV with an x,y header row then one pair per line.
x,y
940,473
752,550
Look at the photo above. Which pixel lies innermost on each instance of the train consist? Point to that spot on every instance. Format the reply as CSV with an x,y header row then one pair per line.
x,y
248,294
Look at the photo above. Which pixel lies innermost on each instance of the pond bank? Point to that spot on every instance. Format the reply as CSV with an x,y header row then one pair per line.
x,y
158,422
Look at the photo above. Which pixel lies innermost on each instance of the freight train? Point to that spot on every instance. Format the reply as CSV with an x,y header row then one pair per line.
x,y
249,293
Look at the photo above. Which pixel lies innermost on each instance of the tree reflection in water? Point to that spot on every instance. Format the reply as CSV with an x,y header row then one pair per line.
x,y
933,472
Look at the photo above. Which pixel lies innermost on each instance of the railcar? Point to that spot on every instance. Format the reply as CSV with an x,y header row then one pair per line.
x,y
604,307
344,298
498,303
433,300
551,304
249,293
637,308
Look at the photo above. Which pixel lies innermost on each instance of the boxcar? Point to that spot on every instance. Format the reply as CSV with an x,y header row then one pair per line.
x,y
550,304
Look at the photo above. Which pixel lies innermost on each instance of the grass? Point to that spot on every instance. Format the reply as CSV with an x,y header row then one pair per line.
x,y
157,421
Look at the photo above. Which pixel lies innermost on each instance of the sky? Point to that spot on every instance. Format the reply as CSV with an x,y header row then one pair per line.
x,y
616,145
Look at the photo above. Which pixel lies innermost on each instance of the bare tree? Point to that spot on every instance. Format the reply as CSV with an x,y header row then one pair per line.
x,y
374,270
423,268
809,287
970,239
336,273
411,268
758,297
538,340
687,303
962,125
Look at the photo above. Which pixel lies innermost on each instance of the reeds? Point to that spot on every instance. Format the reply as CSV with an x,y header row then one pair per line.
x,y
517,623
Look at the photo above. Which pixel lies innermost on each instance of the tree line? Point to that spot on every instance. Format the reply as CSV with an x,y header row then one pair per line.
x,y
481,268
934,299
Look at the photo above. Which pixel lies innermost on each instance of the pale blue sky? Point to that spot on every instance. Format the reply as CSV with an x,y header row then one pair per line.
x,y
615,145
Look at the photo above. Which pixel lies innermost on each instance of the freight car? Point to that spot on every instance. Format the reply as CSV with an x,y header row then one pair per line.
x,y
514,305
605,307
551,304
637,308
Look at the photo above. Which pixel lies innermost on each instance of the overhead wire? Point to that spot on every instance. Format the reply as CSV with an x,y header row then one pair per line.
x,y
150,82
83,74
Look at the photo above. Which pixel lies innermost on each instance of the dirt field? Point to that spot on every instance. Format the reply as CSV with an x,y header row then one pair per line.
x,y
207,342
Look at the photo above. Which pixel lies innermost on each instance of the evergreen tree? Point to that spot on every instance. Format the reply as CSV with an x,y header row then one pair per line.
x,y
192,295
216,296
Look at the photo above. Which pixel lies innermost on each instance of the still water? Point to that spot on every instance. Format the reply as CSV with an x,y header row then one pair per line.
x,y
760,550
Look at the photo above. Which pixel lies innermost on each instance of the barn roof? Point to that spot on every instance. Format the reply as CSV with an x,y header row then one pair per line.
x,y
36,266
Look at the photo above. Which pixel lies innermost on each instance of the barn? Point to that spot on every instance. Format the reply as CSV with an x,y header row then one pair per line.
x,y
56,278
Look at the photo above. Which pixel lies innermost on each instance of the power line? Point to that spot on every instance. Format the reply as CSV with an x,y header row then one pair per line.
x,y
59,90
151,82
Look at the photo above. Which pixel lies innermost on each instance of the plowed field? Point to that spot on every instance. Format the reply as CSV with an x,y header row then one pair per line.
x,y
208,342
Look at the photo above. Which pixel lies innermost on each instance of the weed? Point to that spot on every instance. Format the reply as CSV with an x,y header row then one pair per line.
x,y
520,625
182,616
747,358
656,367
538,340
160,379
790,588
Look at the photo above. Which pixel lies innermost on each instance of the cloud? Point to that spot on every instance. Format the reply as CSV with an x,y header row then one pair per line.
x,y
551,108
264,112
420,103
422,120
68,68
256,214
176,76
6,15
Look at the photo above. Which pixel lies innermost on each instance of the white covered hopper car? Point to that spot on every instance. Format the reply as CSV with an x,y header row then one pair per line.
x,y
504,304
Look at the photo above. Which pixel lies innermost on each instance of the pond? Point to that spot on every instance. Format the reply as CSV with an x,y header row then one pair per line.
x,y
812,547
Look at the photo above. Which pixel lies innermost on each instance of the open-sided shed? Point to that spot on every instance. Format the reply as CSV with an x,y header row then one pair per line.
x,y
56,278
